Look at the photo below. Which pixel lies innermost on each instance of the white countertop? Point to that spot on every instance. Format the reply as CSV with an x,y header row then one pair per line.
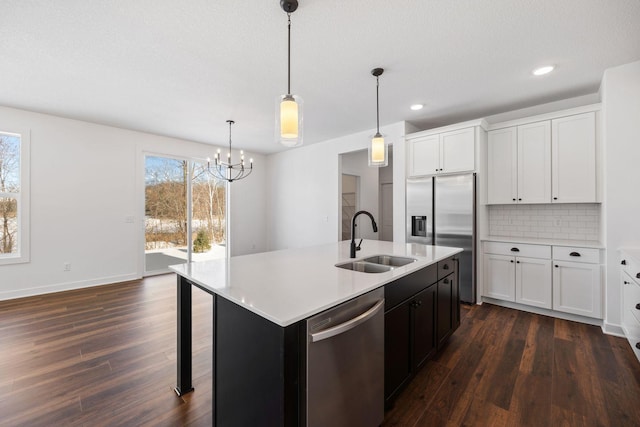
x,y
546,241
290,285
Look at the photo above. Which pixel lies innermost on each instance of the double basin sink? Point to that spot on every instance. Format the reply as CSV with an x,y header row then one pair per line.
x,y
376,264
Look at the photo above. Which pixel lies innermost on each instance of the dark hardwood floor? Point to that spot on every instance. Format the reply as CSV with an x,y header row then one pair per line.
x,y
105,356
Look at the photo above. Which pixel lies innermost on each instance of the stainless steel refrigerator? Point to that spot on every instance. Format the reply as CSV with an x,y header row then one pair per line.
x,y
441,211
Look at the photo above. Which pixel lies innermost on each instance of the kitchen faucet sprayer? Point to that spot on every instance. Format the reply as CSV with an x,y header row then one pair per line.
x,y
355,248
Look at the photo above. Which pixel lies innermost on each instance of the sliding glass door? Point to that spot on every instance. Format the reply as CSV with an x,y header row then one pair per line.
x,y
184,214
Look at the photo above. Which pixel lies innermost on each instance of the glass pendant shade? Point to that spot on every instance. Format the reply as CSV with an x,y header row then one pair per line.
x,y
378,151
289,120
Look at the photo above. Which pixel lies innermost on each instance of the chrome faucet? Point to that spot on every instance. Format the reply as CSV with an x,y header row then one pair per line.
x,y
355,248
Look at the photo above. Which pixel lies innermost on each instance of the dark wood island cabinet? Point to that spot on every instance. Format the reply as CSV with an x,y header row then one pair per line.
x,y
422,310
261,351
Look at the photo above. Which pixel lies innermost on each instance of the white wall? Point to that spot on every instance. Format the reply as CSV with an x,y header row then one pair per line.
x,y
304,188
356,163
85,179
621,130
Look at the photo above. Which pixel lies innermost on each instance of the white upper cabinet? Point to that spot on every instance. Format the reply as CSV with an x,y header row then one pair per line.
x,y
457,151
519,164
546,161
502,171
534,163
424,156
436,153
574,158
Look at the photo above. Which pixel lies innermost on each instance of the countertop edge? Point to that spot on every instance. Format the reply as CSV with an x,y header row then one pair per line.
x,y
399,272
545,241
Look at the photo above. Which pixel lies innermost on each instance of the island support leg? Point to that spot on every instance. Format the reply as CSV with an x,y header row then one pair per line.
x,y
184,337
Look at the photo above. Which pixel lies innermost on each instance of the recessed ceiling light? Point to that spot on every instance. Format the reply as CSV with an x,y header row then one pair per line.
x,y
416,107
541,71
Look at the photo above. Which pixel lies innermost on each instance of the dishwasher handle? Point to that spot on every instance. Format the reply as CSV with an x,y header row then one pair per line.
x,y
349,324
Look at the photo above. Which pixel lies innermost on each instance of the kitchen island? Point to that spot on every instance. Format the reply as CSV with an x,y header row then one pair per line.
x,y
259,304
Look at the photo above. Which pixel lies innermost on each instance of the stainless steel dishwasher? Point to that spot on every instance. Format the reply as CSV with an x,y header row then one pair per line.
x,y
345,364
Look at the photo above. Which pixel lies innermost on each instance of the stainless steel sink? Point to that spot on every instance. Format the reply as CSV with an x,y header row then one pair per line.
x,y
364,267
394,261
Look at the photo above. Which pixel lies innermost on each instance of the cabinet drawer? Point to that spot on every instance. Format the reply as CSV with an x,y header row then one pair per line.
x,y
518,249
568,253
445,267
632,268
407,286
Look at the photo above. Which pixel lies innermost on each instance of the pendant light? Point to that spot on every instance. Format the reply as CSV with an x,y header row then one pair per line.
x,y
288,106
229,171
378,149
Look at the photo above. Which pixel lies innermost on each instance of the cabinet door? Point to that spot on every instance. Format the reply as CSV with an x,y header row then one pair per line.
x,y
499,277
444,324
534,163
502,166
424,156
457,151
577,288
397,348
424,316
533,282
574,159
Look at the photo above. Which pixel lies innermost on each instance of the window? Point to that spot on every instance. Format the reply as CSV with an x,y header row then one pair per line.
x,y
184,213
14,197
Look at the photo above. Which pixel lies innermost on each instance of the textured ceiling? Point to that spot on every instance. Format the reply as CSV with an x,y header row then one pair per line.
x,y
182,68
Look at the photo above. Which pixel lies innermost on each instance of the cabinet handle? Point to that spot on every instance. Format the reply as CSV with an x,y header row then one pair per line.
x,y
556,266
511,261
638,276
445,267
555,198
445,281
638,345
515,250
574,254
627,283
638,306
623,262
514,200
519,199
517,262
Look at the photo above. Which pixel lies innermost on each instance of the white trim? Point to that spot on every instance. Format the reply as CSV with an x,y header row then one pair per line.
x,y
67,286
24,199
471,123
545,312
543,117
613,329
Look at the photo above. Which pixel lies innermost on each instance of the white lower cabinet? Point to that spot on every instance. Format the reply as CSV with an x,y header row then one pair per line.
x,y
521,279
577,288
561,278
630,276
500,276
533,282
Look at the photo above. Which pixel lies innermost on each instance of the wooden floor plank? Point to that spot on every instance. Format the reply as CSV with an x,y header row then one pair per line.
x,y
105,356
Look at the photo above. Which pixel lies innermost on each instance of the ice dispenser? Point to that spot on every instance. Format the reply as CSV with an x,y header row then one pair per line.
x,y
419,226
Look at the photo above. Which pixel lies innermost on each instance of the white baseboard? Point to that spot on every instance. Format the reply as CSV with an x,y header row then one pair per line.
x,y
613,329
68,286
545,312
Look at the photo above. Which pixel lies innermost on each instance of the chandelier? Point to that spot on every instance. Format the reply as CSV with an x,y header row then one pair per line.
x,y
228,170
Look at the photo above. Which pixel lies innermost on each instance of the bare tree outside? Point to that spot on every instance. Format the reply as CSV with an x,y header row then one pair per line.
x,y
9,192
166,208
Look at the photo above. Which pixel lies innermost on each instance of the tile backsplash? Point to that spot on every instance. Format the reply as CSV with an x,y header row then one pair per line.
x,y
579,221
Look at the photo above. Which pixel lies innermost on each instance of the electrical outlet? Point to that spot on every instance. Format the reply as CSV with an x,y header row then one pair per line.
x,y
67,266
